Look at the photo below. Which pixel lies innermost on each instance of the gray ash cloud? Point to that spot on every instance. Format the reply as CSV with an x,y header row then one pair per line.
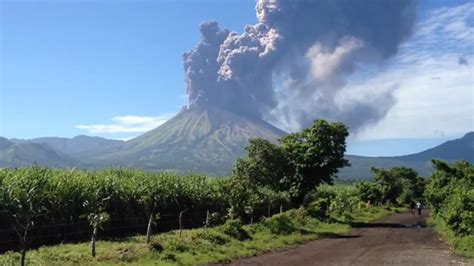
x,y
463,61
293,65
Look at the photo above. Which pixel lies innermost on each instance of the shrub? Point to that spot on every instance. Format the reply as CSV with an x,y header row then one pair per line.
x,y
450,192
369,192
459,211
234,229
319,208
214,237
155,246
280,224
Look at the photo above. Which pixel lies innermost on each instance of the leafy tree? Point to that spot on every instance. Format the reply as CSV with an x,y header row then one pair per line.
x,y
241,197
264,165
370,192
344,202
24,201
96,203
450,192
315,155
152,194
399,184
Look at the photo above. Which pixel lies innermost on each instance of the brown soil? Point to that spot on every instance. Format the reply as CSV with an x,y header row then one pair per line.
x,y
399,239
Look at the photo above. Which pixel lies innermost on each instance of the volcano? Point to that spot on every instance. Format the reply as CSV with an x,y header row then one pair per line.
x,y
202,139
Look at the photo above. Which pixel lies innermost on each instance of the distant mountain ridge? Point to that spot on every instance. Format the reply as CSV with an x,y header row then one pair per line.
x,y
453,150
458,149
25,154
200,139
74,146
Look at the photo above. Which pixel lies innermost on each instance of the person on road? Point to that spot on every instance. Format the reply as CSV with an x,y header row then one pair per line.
x,y
419,206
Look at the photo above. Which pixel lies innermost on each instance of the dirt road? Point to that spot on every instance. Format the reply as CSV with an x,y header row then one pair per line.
x,y
400,239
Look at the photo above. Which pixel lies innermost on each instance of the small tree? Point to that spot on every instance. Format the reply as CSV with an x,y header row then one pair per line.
x,y
153,194
241,197
95,207
23,192
188,192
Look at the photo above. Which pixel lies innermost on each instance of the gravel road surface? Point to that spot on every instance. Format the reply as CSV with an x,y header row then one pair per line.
x,y
399,239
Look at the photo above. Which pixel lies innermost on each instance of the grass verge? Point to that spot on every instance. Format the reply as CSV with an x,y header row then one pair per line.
x,y
201,246
462,245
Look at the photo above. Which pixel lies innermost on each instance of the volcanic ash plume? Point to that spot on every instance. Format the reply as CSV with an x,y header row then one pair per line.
x,y
293,65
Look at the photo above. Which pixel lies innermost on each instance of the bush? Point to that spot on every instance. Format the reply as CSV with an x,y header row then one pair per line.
x,y
215,219
280,224
339,200
459,211
450,192
214,237
369,192
234,229
319,208
155,246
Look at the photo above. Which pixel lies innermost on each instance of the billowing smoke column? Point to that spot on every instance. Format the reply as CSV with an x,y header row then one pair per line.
x,y
293,65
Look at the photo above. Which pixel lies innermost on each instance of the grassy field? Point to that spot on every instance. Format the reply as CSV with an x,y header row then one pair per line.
x,y
200,246
461,245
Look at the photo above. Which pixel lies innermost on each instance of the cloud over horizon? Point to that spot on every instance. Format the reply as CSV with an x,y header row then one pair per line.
x,y
127,124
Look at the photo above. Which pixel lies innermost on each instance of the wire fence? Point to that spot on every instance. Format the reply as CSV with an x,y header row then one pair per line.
x,y
80,231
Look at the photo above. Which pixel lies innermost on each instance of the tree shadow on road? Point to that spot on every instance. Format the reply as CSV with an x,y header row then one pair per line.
x,y
387,225
338,236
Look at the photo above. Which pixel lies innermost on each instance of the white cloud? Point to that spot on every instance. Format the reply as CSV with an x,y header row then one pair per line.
x,y
127,124
435,94
433,100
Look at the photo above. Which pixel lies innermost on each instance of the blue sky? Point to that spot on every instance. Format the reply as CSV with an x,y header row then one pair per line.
x,y
114,69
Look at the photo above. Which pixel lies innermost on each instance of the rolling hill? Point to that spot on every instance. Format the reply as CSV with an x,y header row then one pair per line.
x,y
24,154
453,150
77,147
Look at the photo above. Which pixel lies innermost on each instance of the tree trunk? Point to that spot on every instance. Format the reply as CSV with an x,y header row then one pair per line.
x,y
251,220
181,221
23,256
207,219
24,246
148,230
269,209
281,208
94,236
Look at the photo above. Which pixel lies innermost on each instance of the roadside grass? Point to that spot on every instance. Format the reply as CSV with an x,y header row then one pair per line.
x,y
462,245
201,246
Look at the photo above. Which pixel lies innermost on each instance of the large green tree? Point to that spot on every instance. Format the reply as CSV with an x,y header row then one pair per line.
x,y
265,164
303,160
399,184
315,155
